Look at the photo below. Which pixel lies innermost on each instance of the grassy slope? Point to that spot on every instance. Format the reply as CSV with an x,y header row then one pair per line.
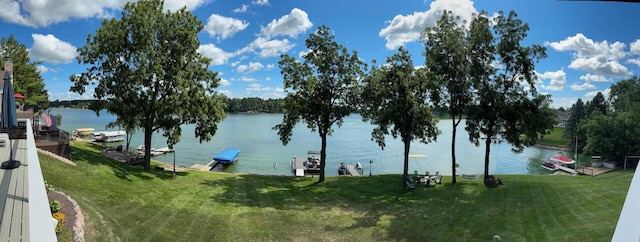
x,y
127,204
554,138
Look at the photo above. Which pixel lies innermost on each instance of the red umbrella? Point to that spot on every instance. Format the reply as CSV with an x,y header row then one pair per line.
x,y
19,96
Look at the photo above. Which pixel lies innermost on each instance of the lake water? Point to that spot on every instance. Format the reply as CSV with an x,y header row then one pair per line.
x,y
260,147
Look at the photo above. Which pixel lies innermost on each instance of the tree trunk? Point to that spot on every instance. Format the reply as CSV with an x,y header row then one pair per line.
x,y
453,151
487,149
323,155
147,148
405,172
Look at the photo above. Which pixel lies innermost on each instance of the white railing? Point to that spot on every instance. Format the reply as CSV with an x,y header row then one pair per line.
x,y
41,226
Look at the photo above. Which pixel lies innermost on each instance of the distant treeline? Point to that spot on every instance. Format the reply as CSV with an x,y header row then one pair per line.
x,y
234,105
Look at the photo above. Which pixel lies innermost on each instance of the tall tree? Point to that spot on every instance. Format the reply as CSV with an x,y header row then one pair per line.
x,y
624,94
447,67
577,114
395,99
26,77
322,90
505,110
598,103
149,73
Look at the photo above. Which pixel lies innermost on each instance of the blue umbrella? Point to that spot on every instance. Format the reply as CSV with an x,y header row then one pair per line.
x,y
9,117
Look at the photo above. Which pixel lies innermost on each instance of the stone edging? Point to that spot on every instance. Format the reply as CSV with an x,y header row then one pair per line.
x,y
60,158
78,228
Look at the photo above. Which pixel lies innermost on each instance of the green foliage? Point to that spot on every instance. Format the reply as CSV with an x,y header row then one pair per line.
x,y
55,206
322,90
554,138
26,77
395,100
625,94
447,68
577,114
149,74
125,203
253,105
598,103
504,110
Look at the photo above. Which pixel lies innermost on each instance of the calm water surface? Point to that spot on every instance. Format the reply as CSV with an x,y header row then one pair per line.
x,y
260,147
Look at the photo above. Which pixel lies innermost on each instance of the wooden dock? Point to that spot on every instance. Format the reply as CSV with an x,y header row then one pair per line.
x,y
566,169
593,171
299,168
351,169
212,164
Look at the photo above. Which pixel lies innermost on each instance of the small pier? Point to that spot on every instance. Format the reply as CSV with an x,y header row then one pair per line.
x,y
155,152
301,166
209,166
566,169
351,169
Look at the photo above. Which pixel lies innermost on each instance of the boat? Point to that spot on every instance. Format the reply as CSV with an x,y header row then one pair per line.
x,y
562,160
227,156
109,136
83,131
549,166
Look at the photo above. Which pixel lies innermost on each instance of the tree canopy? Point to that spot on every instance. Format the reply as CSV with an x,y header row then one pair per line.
x,y
446,65
504,109
26,77
147,72
395,99
321,90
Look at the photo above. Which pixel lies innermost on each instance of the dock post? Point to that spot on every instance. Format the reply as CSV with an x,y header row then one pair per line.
x,y
370,164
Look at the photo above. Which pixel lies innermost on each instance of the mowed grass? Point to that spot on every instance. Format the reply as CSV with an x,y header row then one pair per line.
x,y
554,138
123,203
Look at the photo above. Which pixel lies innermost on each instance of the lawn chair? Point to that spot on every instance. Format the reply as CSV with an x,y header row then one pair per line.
x,y
438,178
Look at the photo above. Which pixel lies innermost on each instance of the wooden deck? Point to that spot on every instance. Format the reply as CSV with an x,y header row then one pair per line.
x,y
593,171
352,170
14,204
206,167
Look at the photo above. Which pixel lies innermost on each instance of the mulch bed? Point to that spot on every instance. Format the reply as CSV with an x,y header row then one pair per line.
x,y
67,209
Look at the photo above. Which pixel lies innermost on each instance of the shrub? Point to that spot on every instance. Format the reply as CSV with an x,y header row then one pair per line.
x,y
48,186
55,206
61,218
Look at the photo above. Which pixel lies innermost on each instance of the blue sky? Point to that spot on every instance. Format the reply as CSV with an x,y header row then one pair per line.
x,y
590,44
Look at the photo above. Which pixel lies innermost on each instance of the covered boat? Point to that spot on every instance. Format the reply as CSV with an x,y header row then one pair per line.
x,y
562,160
227,156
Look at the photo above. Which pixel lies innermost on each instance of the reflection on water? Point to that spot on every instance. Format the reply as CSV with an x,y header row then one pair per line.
x,y
261,147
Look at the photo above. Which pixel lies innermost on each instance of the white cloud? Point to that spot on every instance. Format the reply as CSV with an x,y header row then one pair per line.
x,y
584,86
224,27
267,48
565,102
247,79
635,47
241,9
224,82
235,63
594,78
257,87
267,78
252,67
589,96
260,2
48,48
45,13
44,69
634,61
600,58
174,5
301,54
292,25
217,55
558,80
270,66
407,28
225,92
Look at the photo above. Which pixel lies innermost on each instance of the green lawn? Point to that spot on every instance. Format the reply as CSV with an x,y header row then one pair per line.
x,y
555,138
123,203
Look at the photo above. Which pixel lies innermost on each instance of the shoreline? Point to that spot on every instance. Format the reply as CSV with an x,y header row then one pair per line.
x,y
552,147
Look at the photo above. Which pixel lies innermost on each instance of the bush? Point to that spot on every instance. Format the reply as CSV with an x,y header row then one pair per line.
x,y
61,218
55,206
